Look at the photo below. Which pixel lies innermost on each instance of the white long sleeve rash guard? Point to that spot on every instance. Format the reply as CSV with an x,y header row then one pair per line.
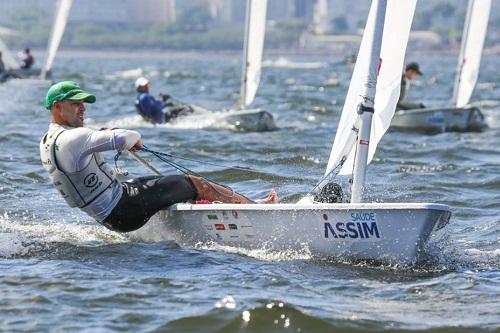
x,y
75,147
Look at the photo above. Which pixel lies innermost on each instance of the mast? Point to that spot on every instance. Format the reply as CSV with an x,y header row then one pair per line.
x,y
366,108
461,57
244,78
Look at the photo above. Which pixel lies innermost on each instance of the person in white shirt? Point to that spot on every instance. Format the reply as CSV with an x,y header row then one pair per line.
x,y
71,155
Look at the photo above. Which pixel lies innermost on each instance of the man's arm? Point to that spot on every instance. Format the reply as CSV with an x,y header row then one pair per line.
x,y
74,147
111,139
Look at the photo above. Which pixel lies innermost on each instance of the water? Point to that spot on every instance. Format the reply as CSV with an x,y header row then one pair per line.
x,y
61,271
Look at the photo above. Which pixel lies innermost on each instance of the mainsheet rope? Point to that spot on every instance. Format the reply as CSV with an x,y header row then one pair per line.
x,y
167,158
164,158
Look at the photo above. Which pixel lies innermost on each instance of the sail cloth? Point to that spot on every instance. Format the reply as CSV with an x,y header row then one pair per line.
x,y
399,16
7,57
255,30
476,24
63,8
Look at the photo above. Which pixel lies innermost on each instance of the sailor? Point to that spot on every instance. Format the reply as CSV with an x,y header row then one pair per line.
x,y
154,110
71,155
411,72
27,59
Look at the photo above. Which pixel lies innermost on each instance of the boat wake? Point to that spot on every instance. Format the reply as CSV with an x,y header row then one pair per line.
x,y
195,121
266,253
286,63
486,104
134,73
38,238
474,258
239,121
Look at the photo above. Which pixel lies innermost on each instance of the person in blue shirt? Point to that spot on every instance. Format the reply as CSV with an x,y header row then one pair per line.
x,y
157,111
149,107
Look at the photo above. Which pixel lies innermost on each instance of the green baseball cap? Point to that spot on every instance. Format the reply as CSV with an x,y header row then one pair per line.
x,y
67,90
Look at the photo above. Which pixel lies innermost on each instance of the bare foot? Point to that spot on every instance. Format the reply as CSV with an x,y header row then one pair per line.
x,y
272,198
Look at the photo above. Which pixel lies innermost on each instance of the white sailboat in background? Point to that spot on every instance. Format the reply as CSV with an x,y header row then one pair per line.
x,y
63,8
387,232
240,117
8,59
458,115
253,47
39,75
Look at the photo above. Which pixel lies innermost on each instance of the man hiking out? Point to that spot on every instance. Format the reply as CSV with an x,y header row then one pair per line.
x,y
71,155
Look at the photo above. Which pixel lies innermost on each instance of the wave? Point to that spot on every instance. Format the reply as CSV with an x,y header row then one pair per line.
x,y
32,238
286,63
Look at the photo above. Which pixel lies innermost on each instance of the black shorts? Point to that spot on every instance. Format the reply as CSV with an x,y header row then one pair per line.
x,y
145,196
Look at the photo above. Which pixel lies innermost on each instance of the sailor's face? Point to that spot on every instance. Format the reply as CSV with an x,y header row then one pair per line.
x,y
411,74
72,112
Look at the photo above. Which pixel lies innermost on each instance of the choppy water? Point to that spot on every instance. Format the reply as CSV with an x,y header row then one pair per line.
x,y
60,271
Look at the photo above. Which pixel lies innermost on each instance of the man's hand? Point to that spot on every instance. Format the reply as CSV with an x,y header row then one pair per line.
x,y
165,97
138,145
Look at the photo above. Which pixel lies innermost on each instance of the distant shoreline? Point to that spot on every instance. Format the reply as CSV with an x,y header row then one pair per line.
x,y
493,50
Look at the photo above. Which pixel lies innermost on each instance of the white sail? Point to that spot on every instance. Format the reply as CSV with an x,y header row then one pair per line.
x,y
399,16
476,24
255,30
7,57
60,18
320,17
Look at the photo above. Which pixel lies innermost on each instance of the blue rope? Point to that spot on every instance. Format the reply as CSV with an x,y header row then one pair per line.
x,y
163,157
157,153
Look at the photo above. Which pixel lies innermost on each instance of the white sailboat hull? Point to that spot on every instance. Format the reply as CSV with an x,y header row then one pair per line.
x,y
249,120
254,120
381,232
440,119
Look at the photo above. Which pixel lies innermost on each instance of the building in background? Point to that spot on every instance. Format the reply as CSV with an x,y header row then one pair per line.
x,y
437,23
150,11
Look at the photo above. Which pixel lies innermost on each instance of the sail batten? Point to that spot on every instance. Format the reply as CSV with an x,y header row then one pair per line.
x,y
469,60
255,29
60,19
398,19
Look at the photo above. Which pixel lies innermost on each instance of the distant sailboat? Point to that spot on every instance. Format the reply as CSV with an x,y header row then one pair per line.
x,y
457,115
253,46
387,232
241,117
7,57
63,8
